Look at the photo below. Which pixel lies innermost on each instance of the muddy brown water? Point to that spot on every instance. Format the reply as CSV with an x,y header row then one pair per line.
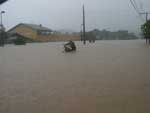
x,y
105,77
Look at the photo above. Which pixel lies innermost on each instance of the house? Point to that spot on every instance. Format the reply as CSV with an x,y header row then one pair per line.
x,y
39,33
16,36
31,31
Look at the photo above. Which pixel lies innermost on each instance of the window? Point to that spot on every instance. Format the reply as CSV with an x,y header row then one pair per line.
x,y
44,32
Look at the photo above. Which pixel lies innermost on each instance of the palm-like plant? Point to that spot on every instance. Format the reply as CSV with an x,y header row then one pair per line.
x,y
146,30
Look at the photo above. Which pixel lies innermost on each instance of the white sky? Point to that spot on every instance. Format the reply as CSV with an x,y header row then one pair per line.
x,y
67,14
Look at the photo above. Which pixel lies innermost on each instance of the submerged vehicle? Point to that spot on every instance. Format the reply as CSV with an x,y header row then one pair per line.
x,y
70,46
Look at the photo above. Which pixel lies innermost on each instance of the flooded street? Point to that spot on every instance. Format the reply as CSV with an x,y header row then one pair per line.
x,y
105,77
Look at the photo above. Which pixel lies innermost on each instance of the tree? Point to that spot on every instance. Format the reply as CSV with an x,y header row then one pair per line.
x,y
19,41
3,36
146,31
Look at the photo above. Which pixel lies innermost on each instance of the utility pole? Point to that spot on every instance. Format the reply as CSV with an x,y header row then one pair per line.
x,y
146,14
2,29
1,13
81,32
84,35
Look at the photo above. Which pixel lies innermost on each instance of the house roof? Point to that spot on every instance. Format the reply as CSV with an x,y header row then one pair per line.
x,y
37,27
32,26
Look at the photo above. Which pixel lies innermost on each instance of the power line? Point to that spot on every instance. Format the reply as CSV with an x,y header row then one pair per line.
x,y
142,13
135,6
135,3
140,4
146,14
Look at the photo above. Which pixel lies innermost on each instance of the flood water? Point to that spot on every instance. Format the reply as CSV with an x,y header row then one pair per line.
x,y
105,77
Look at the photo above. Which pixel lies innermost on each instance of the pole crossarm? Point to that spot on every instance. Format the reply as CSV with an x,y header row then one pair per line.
x,y
145,13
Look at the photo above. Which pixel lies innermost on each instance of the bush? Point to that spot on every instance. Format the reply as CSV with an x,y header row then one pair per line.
x,y
19,41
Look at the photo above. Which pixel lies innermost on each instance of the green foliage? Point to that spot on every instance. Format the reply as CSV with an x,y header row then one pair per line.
x,y
3,37
146,29
19,41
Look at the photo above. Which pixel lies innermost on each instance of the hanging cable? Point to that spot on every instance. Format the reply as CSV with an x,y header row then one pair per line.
x,y
135,6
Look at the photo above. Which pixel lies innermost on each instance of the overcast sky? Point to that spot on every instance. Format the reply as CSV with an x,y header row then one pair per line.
x,y
67,14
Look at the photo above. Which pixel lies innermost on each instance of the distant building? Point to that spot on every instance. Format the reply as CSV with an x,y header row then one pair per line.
x,y
38,33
